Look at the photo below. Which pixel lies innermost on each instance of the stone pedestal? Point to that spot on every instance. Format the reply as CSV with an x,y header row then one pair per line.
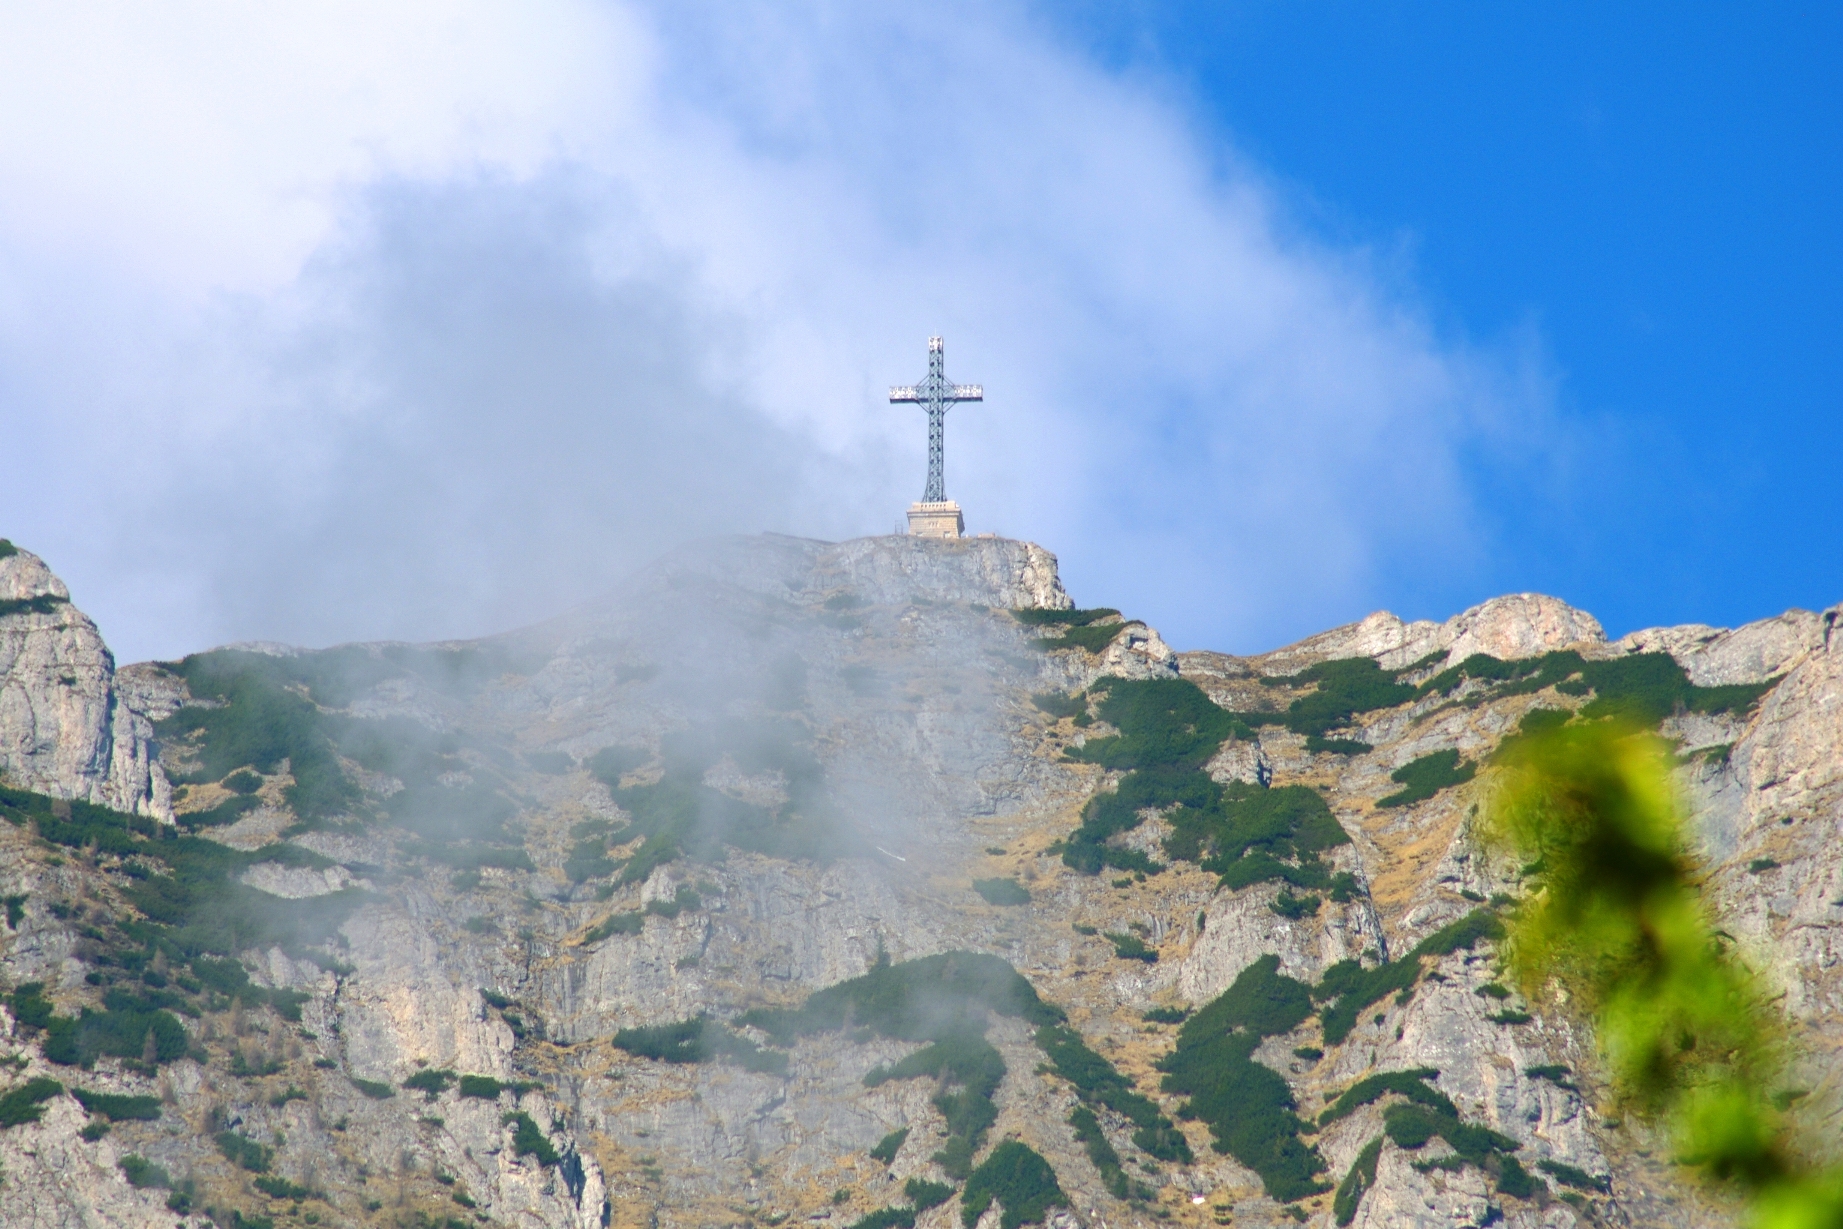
x,y
936,520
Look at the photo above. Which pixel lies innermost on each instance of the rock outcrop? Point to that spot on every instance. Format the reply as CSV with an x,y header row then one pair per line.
x,y
65,728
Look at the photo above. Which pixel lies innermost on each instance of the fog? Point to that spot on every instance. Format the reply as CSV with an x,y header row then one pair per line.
x,y
342,325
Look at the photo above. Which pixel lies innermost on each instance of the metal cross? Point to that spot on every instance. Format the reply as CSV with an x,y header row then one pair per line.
x,y
936,394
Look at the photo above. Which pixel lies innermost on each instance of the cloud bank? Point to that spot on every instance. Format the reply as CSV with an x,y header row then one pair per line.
x,y
337,323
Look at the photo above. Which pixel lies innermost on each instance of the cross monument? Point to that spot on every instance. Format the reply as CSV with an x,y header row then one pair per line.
x,y
936,516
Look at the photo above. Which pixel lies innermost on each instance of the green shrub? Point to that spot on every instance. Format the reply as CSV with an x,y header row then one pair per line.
x,y
699,1040
44,603
1131,947
277,1187
1344,688
1105,1156
1063,618
1020,1180
1002,891
943,1000
1579,1179
1099,1082
143,1173
30,1006
1409,1084
242,781
15,909
118,1108
684,898
1165,1015
1349,988
7,549
1336,746
630,923
118,1034
923,1194
244,1152
1091,639
1555,1073
528,1139
1058,705
1248,1108
1426,776
1361,1177
431,1082
1289,906
377,1090
886,1218
483,1087
26,1103
889,1145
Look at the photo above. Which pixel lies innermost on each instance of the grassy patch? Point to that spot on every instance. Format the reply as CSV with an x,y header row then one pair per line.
x,y
1020,1180
1426,776
1063,618
377,1090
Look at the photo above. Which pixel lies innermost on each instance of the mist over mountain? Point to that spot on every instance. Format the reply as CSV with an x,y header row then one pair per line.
x,y
871,883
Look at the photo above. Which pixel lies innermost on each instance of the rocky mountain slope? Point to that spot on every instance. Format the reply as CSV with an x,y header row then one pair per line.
x,y
852,884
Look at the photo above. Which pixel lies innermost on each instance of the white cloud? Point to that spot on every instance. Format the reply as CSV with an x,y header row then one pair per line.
x,y
420,320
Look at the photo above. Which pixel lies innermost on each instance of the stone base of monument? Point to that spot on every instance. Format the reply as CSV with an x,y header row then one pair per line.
x,y
936,520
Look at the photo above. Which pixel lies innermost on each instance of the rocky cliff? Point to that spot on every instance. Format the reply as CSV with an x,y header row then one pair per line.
x,y
682,908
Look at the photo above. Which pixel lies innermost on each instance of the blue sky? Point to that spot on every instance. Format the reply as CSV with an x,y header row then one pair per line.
x,y
1654,191
429,320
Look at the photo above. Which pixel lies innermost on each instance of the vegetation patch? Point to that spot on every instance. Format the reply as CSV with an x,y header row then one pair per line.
x,y
1426,776
1579,1179
244,1152
431,1082
44,603
679,816
1248,1107
699,1040
943,1001
1058,705
143,1174
1247,834
889,1146
1020,1180
117,1108
1341,689
26,1103
1131,947
1410,1084
1361,1177
1641,689
630,923
1410,1126
1099,1082
1348,988
1002,891
529,1140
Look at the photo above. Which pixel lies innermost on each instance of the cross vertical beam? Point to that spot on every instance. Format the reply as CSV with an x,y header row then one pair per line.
x,y
936,395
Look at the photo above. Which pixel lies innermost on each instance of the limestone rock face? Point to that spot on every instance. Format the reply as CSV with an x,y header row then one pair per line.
x,y
896,665
65,729
1517,625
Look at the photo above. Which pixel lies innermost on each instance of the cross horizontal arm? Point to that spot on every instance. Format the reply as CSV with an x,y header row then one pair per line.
x,y
907,392
968,392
